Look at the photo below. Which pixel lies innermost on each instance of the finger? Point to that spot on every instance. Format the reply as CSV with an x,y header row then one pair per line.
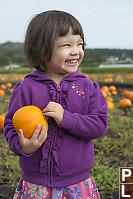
x,y
43,135
21,136
36,132
50,105
45,109
49,114
48,108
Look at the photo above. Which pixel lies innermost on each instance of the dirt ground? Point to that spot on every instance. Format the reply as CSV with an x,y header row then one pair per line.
x,y
6,192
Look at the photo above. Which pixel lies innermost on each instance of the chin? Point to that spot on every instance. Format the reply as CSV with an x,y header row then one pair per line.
x,y
72,70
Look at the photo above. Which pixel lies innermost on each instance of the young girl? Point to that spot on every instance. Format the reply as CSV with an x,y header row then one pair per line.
x,y
56,164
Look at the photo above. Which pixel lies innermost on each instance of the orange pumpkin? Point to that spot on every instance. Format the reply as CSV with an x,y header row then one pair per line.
x,y
108,80
10,90
110,105
128,94
3,86
125,93
110,99
104,94
9,84
2,119
105,89
114,92
27,118
2,93
112,88
125,103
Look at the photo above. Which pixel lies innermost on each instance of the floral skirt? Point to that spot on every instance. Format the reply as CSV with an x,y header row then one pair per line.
x,y
83,190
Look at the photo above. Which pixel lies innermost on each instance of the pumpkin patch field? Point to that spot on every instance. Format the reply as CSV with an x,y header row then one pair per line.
x,y
113,150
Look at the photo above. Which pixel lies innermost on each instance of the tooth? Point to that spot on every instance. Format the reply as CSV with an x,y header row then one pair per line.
x,y
73,61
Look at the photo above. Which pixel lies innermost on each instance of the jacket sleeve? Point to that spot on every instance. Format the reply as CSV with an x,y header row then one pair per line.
x,y
16,101
94,123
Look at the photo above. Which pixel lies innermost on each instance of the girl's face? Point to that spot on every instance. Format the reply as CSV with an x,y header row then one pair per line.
x,y
67,55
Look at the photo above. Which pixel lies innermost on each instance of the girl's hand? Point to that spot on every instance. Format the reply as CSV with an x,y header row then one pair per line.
x,y
55,111
30,145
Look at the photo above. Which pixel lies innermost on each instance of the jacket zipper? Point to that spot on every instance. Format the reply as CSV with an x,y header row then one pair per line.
x,y
51,160
58,100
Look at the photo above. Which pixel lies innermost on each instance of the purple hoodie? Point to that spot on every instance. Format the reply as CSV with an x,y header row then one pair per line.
x,y
67,155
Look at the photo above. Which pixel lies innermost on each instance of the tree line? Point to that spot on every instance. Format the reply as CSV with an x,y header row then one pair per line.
x,y
12,53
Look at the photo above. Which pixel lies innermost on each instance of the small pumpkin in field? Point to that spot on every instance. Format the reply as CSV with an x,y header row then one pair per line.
x,y
128,94
125,93
9,84
106,80
110,99
2,93
2,119
112,88
114,92
10,90
27,118
125,103
104,94
110,105
105,89
3,86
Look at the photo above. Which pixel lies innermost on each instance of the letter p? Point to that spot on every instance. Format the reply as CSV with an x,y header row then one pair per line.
x,y
125,173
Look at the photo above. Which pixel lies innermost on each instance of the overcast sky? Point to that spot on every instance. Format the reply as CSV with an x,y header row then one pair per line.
x,y
106,23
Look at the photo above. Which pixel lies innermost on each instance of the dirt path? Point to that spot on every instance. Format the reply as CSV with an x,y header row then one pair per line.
x,y
6,192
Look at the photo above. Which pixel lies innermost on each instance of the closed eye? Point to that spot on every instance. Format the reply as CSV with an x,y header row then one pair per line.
x,y
80,44
65,45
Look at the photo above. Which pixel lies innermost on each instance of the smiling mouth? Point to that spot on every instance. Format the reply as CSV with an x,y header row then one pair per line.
x,y
71,61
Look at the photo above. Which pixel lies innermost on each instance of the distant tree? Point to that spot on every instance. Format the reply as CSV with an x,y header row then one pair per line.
x,y
93,60
11,48
18,59
4,60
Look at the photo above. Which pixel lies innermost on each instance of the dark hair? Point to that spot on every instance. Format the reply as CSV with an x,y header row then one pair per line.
x,y
41,34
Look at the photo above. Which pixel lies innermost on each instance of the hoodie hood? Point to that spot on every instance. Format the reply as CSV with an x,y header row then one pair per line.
x,y
37,76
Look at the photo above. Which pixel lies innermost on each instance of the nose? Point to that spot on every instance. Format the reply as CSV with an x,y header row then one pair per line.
x,y
74,51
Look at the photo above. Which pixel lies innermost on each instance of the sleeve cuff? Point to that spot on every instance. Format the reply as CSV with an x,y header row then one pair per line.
x,y
69,121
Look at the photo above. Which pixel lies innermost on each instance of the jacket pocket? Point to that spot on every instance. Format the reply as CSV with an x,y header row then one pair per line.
x,y
77,159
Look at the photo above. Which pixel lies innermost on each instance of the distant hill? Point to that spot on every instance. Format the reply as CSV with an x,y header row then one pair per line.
x,y
11,48
121,53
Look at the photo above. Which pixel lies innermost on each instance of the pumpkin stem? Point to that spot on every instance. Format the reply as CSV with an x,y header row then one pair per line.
x,y
45,117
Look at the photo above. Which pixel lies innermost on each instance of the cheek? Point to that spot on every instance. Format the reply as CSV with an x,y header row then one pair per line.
x,y
63,55
81,54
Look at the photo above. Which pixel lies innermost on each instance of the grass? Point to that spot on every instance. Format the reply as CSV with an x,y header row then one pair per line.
x,y
22,70
98,70
9,167
83,69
